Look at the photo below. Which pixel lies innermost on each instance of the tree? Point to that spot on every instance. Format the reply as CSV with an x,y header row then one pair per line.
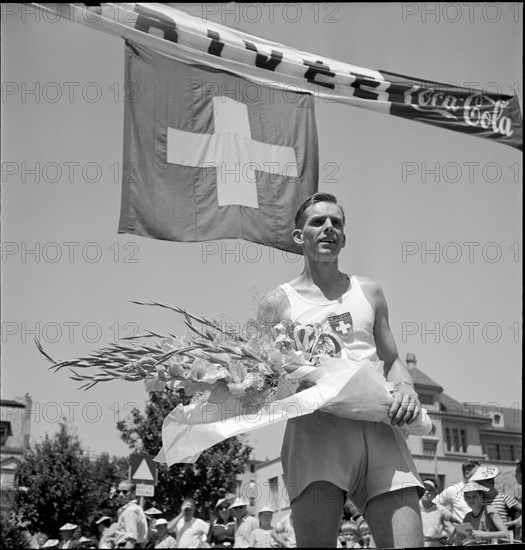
x,y
59,483
11,534
211,477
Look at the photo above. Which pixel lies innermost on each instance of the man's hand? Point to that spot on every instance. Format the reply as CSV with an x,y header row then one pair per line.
x,y
406,407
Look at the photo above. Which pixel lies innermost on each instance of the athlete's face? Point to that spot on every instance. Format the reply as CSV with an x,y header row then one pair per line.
x,y
322,236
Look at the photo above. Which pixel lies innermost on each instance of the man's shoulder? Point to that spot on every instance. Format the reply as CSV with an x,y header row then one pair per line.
x,y
368,284
273,306
201,523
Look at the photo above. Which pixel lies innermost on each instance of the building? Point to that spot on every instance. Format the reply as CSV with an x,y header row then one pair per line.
x,y
15,424
462,431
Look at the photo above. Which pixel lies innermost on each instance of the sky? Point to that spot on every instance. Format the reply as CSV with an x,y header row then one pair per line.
x,y
434,216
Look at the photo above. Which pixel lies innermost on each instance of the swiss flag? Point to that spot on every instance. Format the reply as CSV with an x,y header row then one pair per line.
x,y
209,155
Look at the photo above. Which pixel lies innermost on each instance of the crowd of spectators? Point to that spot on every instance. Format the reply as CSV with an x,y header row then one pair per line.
x,y
472,511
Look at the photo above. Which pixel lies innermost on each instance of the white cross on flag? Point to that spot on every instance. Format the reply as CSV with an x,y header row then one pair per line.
x,y
209,155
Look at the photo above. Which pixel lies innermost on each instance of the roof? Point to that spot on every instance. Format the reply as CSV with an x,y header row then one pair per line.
x,y
423,380
511,419
11,403
469,411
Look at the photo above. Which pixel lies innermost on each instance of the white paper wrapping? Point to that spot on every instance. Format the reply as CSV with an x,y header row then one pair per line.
x,y
350,389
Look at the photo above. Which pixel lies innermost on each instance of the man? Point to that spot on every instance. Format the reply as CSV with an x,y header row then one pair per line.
x,y
163,538
132,525
326,457
452,496
190,532
435,517
244,523
67,532
505,505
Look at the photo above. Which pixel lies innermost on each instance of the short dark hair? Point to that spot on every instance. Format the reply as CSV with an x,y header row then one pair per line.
x,y
310,201
469,465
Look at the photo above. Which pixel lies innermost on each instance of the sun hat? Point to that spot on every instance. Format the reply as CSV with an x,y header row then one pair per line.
x,y
472,486
430,483
153,512
103,518
267,509
238,502
484,472
68,527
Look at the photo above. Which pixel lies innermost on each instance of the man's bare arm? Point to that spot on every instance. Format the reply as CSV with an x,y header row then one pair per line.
x,y
406,407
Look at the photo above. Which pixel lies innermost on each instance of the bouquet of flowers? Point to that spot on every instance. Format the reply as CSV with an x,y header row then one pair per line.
x,y
237,384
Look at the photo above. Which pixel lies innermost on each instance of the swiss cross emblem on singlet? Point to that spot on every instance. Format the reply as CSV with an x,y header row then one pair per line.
x,y
342,325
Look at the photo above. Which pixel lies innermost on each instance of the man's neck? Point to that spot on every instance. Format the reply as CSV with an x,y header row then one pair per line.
x,y
325,275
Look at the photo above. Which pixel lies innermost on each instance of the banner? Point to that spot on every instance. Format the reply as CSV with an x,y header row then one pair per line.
x,y
186,38
209,155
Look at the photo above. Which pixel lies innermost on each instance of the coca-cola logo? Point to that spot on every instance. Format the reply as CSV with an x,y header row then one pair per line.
x,y
477,109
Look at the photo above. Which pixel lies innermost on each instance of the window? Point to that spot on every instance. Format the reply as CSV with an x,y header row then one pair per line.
x,y
493,451
497,419
238,487
5,431
456,440
497,451
429,447
252,468
426,398
273,484
507,453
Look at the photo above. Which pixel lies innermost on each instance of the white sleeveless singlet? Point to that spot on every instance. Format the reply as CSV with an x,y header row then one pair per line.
x,y
349,319
365,459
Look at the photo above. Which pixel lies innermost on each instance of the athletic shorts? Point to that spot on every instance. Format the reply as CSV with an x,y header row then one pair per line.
x,y
365,459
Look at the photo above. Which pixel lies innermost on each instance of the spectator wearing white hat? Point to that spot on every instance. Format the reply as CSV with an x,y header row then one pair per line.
x,y
505,505
452,496
85,542
435,517
484,523
152,514
67,539
51,543
245,524
222,529
262,536
107,530
164,539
